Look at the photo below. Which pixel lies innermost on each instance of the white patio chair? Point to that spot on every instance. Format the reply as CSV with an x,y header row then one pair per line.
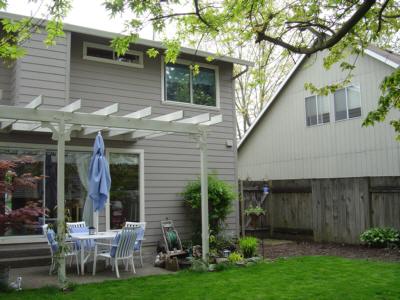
x,y
75,225
80,227
53,245
121,249
137,248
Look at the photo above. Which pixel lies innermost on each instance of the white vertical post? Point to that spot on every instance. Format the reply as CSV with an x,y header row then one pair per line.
x,y
61,200
204,196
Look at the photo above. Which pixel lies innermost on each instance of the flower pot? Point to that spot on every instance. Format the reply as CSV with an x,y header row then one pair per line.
x,y
254,220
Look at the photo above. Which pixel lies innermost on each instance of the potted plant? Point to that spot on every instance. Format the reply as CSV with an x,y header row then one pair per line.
x,y
254,212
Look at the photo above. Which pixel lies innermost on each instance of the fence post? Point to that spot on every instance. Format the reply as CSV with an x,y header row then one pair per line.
x,y
271,210
242,219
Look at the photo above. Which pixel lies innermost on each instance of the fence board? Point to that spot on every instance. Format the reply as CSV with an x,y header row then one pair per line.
x,y
334,209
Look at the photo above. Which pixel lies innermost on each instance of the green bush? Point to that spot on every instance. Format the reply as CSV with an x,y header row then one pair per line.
x,y
381,237
220,198
248,246
235,257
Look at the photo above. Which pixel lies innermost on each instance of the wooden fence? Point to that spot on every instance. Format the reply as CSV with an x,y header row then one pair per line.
x,y
327,210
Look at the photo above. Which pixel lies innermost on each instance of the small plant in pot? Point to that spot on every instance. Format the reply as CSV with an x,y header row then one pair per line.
x,y
254,212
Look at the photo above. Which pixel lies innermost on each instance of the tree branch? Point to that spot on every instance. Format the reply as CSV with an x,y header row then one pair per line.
x,y
380,15
321,44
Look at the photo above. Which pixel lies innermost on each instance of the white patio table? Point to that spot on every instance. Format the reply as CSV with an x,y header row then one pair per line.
x,y
107,235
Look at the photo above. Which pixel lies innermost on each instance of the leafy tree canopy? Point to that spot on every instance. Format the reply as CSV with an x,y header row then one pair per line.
x,y
343,27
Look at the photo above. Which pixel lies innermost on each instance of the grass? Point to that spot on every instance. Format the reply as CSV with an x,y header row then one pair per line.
x,y
312,277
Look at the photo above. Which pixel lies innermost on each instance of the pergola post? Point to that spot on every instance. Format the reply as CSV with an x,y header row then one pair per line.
x,y
61,201
60,134
204,195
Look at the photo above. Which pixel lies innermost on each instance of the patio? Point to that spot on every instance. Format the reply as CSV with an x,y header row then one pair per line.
x,y
37,277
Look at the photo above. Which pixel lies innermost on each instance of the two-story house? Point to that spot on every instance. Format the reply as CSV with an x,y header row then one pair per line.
x,y
349,175
148,174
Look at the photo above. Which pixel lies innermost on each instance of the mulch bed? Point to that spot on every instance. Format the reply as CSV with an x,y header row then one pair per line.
x,y
348,251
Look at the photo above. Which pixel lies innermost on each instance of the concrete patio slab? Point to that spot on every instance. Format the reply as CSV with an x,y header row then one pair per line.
x,y
37,277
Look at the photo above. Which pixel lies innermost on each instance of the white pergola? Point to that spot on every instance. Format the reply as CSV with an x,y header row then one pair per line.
x,y
67,121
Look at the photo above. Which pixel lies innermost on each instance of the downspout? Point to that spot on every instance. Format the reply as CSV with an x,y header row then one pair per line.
x,y
235,149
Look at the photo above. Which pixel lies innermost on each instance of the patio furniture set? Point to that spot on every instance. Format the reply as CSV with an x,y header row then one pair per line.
x,y
114,245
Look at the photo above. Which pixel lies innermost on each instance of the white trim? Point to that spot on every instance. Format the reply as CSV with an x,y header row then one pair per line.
x,y
191,104
140,152
111,61
22,239
382,58
317,107
347,104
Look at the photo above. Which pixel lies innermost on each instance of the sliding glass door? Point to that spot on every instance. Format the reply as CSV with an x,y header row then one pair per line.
x,y
28,189
22,205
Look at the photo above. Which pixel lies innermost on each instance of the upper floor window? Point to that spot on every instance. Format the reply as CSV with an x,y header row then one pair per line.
x,y
347,103
317,110
103,53
181,85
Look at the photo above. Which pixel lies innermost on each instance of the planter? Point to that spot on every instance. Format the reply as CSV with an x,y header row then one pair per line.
x,y
254,220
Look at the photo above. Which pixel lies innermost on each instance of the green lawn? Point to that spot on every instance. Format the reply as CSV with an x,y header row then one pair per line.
x,y
310,277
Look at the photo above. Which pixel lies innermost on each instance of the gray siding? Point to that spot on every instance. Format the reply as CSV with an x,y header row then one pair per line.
x,y
6,73
42,71
170,161
281,146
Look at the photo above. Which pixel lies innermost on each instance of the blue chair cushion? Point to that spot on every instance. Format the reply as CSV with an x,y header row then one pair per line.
x,y
51,237
139,238
88,244
114,244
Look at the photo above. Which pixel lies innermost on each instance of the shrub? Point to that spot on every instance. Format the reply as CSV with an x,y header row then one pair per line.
x,y
220,198
381,237
235,257
248,245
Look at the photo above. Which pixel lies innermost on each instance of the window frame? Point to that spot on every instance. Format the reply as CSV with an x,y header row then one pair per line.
x,y
316,104
191,104
20,239
347,103
109,61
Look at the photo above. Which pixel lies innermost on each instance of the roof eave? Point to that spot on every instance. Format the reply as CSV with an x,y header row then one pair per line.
x,y
140,41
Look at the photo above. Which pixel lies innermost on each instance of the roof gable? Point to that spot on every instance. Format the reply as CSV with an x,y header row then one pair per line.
x,y
384,56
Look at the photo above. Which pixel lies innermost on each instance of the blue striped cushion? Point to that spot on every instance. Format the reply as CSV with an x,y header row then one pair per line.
x,y
51,237
88,244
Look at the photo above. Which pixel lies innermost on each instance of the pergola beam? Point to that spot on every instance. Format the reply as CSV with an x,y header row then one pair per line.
x,y
145,112
193,120
87,119
35,103
106,111
74,106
